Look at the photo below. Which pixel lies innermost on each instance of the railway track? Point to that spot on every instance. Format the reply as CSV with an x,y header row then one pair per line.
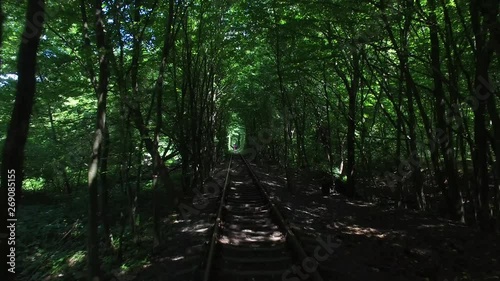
x,y
251,240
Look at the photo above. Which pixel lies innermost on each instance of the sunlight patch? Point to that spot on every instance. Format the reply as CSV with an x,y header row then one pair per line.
x,y
202,230
177,258
364,204
368,231
76,258
271,183
196,228
423,226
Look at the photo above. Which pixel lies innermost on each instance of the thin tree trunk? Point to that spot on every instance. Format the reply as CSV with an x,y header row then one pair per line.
x,y
127,137
66,183
328,122
87,50
493,26
102,94
453,62
351,125
399,124
158,165
1,32
455,206
104,190
412,94
139,170
284,103
482,63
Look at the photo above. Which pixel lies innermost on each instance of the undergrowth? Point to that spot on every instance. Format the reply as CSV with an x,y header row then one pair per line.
x,y
52,236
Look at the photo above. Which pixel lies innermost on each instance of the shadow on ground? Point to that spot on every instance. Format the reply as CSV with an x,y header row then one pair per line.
x,y
382,243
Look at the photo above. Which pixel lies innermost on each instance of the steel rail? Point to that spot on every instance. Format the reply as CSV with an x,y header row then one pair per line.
x,y
291,236
217,224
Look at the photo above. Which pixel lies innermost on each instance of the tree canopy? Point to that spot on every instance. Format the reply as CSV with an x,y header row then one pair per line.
x,y
394,98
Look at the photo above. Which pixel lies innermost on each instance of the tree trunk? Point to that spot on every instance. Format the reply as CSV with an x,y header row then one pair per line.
x,y
17,133
87,49
127,136
455,206
412,95
104,190
285,111
94,166
1,30
351,125
492,24
62,167
483,56
328,122
401,129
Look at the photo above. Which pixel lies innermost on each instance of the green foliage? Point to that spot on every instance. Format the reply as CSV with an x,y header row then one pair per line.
x,y
235,69
34,184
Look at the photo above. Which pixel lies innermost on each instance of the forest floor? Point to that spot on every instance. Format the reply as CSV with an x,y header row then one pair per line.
x,y
380,242
182,253
377,242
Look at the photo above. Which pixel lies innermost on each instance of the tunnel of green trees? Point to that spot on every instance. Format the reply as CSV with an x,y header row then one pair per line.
x,y
113,111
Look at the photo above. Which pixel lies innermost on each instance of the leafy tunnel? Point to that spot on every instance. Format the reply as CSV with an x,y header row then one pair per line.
x,y
145,98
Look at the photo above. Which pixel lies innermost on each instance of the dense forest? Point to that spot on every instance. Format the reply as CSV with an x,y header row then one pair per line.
x,y
115,113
